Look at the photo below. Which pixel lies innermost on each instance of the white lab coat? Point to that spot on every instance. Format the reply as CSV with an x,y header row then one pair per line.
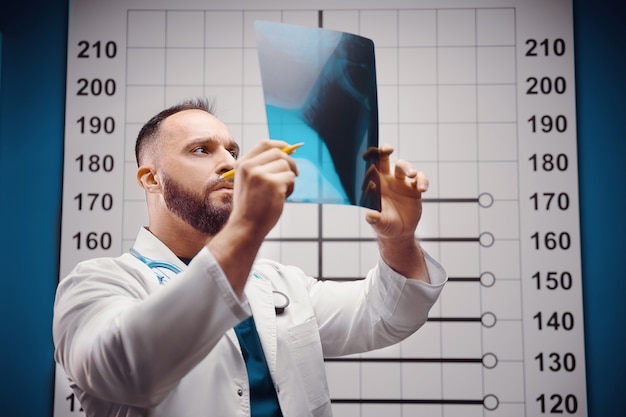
x,y
133,347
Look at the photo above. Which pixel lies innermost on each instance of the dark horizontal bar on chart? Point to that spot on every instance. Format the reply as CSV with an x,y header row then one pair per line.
x,y
463,279
450,279
449,239
450,200
404,360
364,239
455,319
404,401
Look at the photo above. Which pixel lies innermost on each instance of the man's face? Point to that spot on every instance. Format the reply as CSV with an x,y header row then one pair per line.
x,y
195,148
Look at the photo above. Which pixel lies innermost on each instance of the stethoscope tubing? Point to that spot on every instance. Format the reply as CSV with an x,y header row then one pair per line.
x,y
281,301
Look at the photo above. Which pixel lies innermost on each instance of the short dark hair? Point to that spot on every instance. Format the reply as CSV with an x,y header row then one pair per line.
x,y
149,131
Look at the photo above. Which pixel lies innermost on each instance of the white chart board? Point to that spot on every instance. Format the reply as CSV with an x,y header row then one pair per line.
x,y
479,94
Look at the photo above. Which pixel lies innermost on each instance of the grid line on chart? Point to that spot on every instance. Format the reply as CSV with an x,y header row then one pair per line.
x,y
477,116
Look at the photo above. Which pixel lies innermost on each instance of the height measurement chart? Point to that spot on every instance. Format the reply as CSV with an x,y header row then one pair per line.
x,y
478,94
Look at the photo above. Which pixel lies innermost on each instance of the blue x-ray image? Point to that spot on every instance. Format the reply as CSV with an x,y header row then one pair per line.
x,y
319,87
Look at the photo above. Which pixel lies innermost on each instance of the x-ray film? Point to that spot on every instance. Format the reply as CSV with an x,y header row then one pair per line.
x,y
319,87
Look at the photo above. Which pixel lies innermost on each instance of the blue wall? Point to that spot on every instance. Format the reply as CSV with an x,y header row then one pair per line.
x,y
600,35
32,102
32,94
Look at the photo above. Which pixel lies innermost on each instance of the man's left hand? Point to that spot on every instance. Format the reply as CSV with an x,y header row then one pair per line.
x,y
395,224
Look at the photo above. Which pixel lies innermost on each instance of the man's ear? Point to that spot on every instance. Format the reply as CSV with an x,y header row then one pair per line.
x,y
147,178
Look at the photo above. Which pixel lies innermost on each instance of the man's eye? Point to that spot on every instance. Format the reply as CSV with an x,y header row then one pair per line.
x,y
200,149
234,154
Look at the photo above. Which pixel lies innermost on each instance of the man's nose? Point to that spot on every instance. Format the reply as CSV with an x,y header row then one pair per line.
x,y
227,162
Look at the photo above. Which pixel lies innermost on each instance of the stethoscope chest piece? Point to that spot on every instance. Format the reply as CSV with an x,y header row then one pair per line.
x,y
281,301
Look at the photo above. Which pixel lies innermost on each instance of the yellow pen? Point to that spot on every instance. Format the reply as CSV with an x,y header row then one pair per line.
x,y
230,175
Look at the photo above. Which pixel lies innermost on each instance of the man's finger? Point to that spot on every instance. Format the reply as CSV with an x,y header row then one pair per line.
x,y
404,169
383,159
422,182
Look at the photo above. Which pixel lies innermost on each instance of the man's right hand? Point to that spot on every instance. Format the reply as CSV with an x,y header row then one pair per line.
x,y
264,179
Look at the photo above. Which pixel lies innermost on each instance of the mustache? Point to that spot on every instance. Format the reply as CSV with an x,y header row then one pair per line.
x,y
216,184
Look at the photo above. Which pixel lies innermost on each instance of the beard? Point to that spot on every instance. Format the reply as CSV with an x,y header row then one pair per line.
x,y
197,210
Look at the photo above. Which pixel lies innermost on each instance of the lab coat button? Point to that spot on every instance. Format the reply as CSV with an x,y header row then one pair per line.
x,y
240,392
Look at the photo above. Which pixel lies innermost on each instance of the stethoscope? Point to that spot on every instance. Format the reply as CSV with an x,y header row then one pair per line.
x,y
156,266
281,301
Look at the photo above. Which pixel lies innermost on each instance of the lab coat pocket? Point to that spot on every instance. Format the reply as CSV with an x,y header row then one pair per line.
x,y
307,349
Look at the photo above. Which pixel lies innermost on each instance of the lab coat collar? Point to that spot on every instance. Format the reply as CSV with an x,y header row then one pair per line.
x,y
149,245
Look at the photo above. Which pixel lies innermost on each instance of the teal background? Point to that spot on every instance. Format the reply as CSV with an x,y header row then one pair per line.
x,y
32,101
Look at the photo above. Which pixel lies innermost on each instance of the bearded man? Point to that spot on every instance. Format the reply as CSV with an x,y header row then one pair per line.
x,y
188,323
